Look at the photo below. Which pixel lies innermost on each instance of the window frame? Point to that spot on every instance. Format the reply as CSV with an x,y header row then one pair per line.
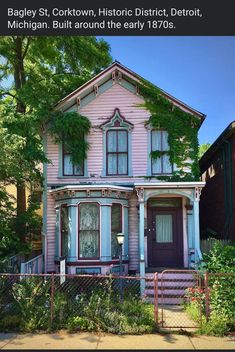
x,y
61,241
88,258
63,169
161,157
120,223
116,130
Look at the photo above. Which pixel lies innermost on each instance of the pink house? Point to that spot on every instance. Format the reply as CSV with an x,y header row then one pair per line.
x,y
117,188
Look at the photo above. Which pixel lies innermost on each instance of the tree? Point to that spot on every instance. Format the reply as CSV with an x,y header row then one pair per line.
x,y
39,71
203,148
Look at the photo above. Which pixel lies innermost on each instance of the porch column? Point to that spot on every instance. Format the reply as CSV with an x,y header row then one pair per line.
x,y
141,238
140,194
196,223
72,235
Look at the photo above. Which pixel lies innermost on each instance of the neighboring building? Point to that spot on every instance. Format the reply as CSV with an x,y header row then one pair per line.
x,y
87,205
218,197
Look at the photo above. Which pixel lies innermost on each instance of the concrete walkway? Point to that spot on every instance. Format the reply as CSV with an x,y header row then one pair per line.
x,y
64,340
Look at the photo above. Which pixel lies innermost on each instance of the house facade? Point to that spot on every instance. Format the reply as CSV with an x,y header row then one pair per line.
x,y
218,197
117,188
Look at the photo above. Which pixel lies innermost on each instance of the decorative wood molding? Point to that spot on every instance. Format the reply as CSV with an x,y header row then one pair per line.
x,y
140,194
197,193
96,89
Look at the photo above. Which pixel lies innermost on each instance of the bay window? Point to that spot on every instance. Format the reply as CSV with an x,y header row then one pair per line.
x,y
89,233
64,226
116,227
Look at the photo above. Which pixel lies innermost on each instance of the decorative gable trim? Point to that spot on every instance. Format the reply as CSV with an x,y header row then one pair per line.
x,y
117,121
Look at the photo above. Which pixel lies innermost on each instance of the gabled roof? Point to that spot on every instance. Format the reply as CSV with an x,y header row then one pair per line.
x,y
105,75
229,130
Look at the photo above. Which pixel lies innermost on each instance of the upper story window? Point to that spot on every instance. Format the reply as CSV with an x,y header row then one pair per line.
x,y
159,144
117,152
69,169
117,146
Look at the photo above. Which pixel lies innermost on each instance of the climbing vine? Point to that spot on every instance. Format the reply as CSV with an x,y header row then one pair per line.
x,y
182,128
70,129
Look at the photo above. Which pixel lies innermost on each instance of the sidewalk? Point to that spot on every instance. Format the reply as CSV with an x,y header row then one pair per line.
x,y
63,340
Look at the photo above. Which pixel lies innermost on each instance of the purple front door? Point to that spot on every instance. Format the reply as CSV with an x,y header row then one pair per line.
x,y
165,237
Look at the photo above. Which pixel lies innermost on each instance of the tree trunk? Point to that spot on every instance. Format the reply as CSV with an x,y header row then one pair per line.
x,y
19,78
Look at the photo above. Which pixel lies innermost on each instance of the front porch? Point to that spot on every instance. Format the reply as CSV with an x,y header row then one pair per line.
x,y
168,225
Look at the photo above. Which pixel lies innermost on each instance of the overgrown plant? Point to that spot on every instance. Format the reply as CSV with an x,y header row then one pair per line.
x,y
71,129
182,128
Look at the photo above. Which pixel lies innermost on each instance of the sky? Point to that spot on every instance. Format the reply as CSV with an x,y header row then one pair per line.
x,y
200,71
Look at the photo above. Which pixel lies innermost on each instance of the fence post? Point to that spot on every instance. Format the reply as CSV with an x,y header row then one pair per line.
x,y
207,296
52,296
155,282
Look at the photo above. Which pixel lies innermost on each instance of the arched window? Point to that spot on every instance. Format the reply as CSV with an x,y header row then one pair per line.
x,y
88,230
117,152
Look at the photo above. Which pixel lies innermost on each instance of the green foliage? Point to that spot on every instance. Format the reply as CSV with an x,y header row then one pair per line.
x,y
10,323
97,309
217,325
32,297
182,128
203,148
36,73
71,129
220,259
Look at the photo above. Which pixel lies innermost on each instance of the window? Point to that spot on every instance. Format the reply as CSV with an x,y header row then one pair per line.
x,y
116,227
117,152
64,230
69,169
159,143
88,230
164,232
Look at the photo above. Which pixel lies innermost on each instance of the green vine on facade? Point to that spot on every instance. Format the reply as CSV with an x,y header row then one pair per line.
x,y
182,128
71,129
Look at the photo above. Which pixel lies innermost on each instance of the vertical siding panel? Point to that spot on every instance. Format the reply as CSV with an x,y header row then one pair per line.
x,y
133,234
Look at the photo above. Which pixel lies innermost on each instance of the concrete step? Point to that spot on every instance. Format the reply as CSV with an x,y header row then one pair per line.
x,y
173,275
171,292
166,300
166,284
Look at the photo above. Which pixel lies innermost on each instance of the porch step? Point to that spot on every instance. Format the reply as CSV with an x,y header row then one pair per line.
x,y
166,300
171,287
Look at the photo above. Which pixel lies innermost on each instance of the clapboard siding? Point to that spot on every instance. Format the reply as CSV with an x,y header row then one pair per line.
x,y
133,234
99,111
50,233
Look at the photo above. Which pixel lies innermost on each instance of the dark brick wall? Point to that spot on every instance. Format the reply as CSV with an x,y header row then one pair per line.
x,y
216,206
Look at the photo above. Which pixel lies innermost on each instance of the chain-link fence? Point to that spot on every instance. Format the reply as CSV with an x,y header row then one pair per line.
x,y
179,294
171,299
219,292
77,302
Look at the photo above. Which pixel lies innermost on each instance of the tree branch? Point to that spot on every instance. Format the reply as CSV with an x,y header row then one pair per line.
x,y
26,47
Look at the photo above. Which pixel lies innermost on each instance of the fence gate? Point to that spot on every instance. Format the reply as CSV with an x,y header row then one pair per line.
x,y
178,298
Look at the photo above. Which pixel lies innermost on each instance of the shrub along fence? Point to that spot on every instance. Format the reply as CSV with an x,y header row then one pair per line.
x,y
76,302
116,304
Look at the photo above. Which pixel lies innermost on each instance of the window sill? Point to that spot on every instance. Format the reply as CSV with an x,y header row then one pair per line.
x,y
71,177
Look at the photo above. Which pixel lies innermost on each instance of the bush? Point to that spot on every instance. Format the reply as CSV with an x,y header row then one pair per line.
x,y
10,323
32,297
